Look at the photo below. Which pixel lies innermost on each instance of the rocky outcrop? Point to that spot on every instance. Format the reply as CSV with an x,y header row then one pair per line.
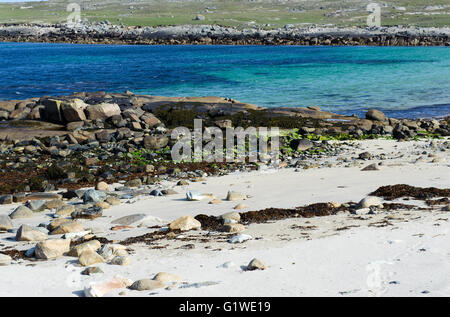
x,y
213,34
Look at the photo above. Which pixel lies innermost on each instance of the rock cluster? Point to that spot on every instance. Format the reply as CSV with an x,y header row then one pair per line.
x,y
213,34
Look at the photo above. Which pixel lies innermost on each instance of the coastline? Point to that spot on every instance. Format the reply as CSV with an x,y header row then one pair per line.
x,y
355,252
93,205
103,33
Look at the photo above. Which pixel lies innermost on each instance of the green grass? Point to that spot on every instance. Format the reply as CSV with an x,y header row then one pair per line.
x,y
237,13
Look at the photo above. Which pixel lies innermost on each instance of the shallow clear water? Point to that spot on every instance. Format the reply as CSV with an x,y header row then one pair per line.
x,y
402,81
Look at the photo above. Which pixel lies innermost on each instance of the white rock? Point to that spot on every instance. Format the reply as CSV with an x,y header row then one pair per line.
x,y
194,195
369,201
102,288
240,238
76,235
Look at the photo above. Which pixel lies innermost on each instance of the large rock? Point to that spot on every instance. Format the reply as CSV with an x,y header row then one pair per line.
x,y
53,248
73,110
185,223
102,111
5,222
93,196
27,233
21,212
376,115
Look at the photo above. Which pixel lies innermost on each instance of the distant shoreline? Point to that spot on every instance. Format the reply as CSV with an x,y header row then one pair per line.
x,y
102,33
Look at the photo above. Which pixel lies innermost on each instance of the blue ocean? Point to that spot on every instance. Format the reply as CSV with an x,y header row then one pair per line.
x,y
401,81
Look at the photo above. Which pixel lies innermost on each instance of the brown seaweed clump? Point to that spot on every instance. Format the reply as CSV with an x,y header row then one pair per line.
x,y
398,191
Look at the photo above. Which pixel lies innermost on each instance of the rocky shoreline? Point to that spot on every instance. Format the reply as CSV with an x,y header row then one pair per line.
x,y
106,33
123,136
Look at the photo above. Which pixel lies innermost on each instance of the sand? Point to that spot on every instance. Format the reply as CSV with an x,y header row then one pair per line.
x,y
343,255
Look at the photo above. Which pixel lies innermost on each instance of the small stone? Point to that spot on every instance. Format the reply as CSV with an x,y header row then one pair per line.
x,y
182,182
102,186
56,223
169,191
134,183
51,248
27,233
233,196
121,260
165,277
371,167
89,213
146,285
6,199
102,288
66,210
88,258
301,144
93,196
240,238
109,251
215,202
93,245
102,205
365,156
256,264
92,270
21,212
234,216
128,220
185,223
369,201
117,228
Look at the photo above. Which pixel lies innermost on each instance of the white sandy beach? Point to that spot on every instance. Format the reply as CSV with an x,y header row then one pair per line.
x,y
345,255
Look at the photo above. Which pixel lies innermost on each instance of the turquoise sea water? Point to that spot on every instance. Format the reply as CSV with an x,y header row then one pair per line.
x,y
402,81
